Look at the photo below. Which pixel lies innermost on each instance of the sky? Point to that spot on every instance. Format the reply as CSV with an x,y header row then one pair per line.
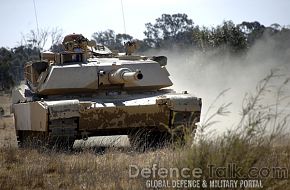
x,y
89,16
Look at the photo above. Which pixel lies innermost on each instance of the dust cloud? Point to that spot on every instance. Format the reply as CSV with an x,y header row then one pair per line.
x,y
206,75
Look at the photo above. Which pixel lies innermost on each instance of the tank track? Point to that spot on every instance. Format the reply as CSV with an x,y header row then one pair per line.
x,y
61,135
63,132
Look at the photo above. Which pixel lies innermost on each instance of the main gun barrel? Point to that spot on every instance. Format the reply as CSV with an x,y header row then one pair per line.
x,y
124,75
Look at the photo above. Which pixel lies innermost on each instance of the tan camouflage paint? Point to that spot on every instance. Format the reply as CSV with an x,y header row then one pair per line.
x,y
123,117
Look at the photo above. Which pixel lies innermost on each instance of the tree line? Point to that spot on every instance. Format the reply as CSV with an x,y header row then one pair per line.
x,y
167,32
177,30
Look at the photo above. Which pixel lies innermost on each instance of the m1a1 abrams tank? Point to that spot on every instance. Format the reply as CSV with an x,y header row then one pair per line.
x,y
87,90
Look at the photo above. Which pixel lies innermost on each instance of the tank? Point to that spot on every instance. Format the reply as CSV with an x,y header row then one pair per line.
x,y
88,90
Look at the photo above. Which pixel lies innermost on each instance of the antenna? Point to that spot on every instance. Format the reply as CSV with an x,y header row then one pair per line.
x,y
35,14
123,17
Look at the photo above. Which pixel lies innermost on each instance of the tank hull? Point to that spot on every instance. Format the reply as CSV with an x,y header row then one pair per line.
x,y
108,114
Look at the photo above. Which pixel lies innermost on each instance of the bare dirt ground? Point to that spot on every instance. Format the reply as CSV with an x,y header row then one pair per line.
x,y
7,130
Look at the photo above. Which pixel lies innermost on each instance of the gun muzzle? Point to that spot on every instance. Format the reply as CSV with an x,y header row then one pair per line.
x,y
124,75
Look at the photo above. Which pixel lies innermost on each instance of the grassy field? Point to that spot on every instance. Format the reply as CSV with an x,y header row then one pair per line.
x,y
259,142
7,131
88,169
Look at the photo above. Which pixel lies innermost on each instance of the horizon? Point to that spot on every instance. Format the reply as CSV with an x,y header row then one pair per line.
x,y
88,16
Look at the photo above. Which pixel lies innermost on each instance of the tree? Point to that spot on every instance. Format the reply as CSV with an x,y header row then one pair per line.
x,y
35,39
204,38
120,40
228,35
56,36
12,61
39,39
6,80
252,31
168,29
106,38
111,40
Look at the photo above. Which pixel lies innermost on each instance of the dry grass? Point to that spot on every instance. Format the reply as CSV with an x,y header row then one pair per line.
x,y
7,130
259,140
5,102
31,169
